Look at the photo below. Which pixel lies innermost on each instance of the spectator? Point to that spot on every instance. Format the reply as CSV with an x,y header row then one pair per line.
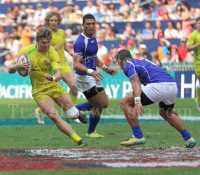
x,y
100,4
98,30
102,53
193,14
182,50
179,29
31,19
67,10
108,29
102,35
135,17
26,36
187,25
23,12
198,10
148,31
98,14
139,34
158,29
144,53
155,58
153,11
137,54
112,8
148,16
163,48
140,42
19,31
129,32
68,35
107,13
90,8
79,17
50,7
168,59
141,14
13,45
9,59
122,45
3,32
40,13
3,20
123,7
126,16
171,32
113,34
113,54
131,47
174,52
177,15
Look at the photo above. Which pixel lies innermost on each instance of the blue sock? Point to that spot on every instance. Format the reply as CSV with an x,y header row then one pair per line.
x,y
84,106
186,135
94,119
137,132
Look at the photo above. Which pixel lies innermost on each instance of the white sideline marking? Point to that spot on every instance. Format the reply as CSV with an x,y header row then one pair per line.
x,y
153,164
150,117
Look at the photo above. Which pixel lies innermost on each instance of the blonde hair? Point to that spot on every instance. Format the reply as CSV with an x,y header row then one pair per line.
x,y
50,14
43,32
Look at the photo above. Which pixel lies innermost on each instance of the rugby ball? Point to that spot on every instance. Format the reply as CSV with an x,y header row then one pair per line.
x,y
24,58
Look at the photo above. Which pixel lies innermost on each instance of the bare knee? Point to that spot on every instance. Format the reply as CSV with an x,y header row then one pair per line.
x,y
72,86
53,115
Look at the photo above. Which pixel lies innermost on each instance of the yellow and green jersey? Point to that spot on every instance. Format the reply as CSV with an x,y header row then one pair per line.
x,y
193,39
42,63
59,38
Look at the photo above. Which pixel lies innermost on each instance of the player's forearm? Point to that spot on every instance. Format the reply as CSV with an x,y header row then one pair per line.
x,y
99,63
57,75
79,67
136,85
191,48
67,49
12,68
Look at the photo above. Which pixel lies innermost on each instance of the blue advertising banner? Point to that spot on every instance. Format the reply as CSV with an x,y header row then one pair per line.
x,y
16,86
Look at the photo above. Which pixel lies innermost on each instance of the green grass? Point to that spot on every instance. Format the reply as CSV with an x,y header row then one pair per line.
x,y
34,137
26,107
117,171
48,136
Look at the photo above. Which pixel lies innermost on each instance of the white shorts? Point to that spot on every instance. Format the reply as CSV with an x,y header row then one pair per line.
x,y
161,92
85,82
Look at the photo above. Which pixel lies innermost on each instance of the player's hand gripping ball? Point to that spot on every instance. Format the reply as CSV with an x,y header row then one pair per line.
x,y
25,66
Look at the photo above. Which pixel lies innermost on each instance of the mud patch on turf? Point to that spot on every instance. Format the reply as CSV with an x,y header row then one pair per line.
x,y
99,158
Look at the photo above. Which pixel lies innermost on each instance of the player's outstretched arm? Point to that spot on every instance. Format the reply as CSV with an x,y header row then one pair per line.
x,y
57,75
67,49
81,68
13,67
191,48
136,85
108,70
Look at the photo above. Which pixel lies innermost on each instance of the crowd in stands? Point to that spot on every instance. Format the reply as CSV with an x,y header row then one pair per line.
x,y
26,20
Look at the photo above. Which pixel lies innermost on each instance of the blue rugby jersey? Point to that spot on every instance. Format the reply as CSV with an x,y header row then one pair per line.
x,y
147,71
86,48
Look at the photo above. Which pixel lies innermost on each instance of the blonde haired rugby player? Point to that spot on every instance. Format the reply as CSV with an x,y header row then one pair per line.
x,y
45,88
53,20
193,44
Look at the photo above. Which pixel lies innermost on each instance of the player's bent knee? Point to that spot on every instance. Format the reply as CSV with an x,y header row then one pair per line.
x,y
73,86
72,112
